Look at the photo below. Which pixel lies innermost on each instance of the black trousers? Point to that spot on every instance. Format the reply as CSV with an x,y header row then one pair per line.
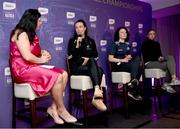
x,y
132,67
90,69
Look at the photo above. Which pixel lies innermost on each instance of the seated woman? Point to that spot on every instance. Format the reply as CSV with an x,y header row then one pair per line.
x,y
152,56
26,58
122,61
84,54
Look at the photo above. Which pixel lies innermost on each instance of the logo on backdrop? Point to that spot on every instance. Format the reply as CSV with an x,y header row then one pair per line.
x,y
111,23
7,74
127,23
44,13
140,27
92,20
57,42
103,44
7,71
8,8
70,16
134,44
134,47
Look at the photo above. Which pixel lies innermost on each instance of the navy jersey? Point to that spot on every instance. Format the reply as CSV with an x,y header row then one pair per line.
x,y
120,50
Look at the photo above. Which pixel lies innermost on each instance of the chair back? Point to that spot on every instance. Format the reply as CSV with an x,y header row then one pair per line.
x,y
12,78
110,66
68,64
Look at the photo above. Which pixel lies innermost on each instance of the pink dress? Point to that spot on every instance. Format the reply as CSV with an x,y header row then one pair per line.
x,y
41,79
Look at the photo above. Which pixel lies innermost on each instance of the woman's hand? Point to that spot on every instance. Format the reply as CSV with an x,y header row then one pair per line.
x,y
128,57
85,60
124,60
79,40
45,56
44,52
161,59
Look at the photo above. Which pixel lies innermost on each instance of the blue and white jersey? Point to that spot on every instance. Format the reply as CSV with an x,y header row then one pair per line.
x,y
120,50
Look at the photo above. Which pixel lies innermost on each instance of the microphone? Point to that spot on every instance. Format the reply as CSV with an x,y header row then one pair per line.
x,y
79,35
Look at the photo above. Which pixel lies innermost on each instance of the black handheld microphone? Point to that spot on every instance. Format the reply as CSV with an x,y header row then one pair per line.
x,y
78,36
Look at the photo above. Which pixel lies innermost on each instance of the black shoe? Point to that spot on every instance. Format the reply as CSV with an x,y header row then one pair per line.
x,y
135,82
134,96
130,85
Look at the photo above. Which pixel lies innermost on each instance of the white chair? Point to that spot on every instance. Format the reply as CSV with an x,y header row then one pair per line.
x,y
83,83
120,78
156,74
24,91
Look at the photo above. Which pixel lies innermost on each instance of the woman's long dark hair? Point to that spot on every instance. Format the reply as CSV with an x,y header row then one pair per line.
x,y
28,24
84,23
116,35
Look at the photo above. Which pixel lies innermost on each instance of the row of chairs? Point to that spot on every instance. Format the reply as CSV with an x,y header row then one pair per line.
x,y
81,83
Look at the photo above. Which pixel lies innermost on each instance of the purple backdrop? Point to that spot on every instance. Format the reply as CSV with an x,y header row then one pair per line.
x,y
168,36
101,16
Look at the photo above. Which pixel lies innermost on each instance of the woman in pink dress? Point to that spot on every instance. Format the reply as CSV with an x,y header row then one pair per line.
x,y
26,59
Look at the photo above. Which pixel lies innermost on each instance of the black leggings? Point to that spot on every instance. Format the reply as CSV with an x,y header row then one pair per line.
x,y
90,69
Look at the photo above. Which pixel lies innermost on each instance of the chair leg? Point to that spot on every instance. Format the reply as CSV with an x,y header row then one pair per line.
x,y
104,95
14,112
159,93
125,100
70,100
33,113
85,111
155,90
143,104
142,89
111,97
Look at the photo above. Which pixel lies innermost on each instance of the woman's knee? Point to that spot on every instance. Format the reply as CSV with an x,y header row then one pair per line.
x,y
59,79
92,61
100,71
169,57
65,75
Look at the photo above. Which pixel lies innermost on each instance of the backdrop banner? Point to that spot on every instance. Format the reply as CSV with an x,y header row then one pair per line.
x,y
58,16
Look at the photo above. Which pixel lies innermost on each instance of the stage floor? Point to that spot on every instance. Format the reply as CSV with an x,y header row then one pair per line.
x,y
149,116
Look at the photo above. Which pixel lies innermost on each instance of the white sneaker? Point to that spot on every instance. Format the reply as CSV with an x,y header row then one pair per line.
x,y
134,96
168,88
175,82
165,85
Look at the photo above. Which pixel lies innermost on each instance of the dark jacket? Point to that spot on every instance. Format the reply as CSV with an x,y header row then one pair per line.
x,y
151,50
86,49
